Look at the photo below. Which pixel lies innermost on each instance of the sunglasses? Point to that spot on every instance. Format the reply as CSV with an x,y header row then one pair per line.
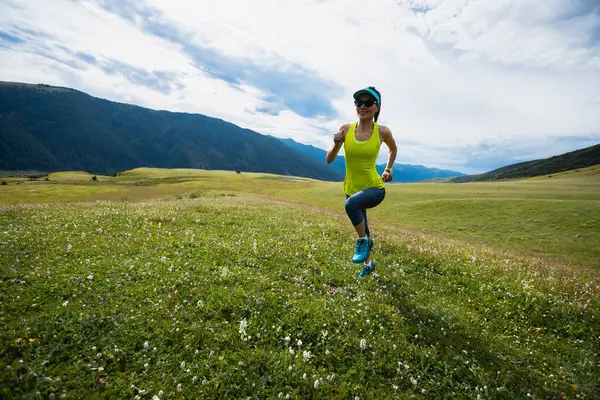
x,y
367,103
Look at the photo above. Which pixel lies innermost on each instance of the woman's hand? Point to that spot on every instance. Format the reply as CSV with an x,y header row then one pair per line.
x,y
387,177
338,137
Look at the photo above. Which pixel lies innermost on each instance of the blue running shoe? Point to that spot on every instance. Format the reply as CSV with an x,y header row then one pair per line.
x,y
367,270
361,252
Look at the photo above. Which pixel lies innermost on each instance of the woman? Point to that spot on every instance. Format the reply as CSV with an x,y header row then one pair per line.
x,y
363,186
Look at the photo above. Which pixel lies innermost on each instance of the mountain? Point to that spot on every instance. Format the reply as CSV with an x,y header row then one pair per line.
x,y
49,128
568,161
401,172
417,173
339,164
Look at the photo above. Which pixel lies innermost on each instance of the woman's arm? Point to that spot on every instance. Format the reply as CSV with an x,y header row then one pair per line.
x,y
338,142
388,139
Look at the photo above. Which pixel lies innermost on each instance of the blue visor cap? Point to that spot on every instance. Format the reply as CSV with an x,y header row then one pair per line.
x,y
369,92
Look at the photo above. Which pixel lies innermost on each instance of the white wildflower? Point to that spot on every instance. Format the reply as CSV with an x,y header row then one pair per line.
x,y
306,355
182,364
413,381
287,339
292,352
363,343
299,342
66,303
161,393
304,376
179,388
90,277
317,384
146,344
243,326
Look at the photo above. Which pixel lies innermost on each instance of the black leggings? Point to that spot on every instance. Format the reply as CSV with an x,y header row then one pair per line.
x,y
357,204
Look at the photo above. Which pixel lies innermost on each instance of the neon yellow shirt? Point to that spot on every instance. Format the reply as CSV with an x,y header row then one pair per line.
x,y
361,158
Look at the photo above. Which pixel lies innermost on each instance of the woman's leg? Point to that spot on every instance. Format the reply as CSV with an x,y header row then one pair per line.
x,y
364,211
356,208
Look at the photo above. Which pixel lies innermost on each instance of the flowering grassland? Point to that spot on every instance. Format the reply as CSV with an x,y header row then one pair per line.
x,y
240,297
556,217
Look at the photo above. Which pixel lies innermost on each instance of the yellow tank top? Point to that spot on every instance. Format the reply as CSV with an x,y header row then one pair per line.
x,y
361,158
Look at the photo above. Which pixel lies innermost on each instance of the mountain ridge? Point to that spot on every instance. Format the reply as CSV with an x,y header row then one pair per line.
x,y
53,128
572,160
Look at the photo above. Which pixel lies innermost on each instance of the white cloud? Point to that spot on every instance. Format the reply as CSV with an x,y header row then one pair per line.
x,y
462,81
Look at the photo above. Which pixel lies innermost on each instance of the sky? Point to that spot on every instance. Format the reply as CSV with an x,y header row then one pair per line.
x,y
467,85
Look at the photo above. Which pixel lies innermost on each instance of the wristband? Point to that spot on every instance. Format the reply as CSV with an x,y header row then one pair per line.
x,y
388,170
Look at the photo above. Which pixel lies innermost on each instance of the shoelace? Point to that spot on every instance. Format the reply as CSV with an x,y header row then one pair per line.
x,y
361,244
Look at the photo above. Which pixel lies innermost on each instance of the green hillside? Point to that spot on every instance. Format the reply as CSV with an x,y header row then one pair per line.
x,y
569,161
55,129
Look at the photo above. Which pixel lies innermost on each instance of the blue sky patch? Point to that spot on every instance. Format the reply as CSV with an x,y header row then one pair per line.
x,y
10,39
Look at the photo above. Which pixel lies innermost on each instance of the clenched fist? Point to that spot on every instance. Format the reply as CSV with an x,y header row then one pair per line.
x,y
338,137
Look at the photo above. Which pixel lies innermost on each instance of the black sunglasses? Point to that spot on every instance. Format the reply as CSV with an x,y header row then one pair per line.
x,y
367,103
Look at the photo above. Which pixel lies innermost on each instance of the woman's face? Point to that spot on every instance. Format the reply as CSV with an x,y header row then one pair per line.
x,y
366,107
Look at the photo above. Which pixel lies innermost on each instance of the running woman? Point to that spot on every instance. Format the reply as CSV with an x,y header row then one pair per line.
x,y
363,186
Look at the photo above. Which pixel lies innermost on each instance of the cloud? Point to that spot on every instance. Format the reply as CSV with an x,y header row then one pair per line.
x,y
88,58
467,85
300,89
42,45
162,81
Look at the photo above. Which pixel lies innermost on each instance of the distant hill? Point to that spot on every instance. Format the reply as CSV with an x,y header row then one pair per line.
x,y
317,154
401,172
575,159
49,128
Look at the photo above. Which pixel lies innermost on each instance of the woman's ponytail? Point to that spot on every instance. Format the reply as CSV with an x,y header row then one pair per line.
x,y
379,94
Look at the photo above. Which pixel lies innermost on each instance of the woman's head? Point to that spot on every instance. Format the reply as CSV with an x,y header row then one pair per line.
x,y
368,103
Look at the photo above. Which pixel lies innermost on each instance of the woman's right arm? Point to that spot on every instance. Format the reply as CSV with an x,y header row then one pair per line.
x,y
338,142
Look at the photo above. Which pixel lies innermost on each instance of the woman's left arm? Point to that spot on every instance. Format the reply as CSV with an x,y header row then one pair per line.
x,y
388,139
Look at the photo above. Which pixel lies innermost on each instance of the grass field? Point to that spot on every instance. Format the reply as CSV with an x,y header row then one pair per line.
x,y
197,284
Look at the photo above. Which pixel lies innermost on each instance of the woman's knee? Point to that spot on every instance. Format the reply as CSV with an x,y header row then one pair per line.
x,y
350,205
353,211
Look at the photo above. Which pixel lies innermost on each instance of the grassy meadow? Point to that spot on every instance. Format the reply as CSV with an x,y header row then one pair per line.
x,y
210,284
